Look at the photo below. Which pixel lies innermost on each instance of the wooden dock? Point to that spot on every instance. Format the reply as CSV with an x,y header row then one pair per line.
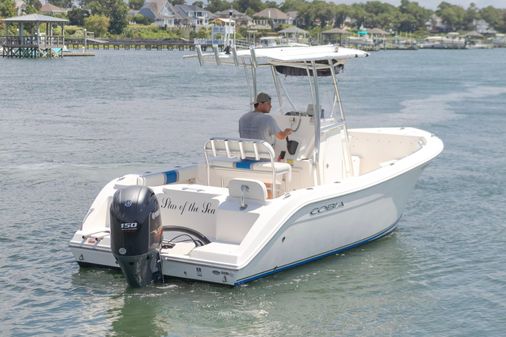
x,y
77,53
136,44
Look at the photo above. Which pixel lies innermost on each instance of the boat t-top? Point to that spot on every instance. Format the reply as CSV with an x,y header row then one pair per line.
x,y
250,209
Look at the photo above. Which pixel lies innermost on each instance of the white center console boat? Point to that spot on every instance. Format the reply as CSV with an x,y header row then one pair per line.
x,y
249,209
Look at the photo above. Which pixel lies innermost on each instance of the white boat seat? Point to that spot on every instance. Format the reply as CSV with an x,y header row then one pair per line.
x,y
250,155
256,189
253,165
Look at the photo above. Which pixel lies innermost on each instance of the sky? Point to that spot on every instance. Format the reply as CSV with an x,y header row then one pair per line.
x,y
432,4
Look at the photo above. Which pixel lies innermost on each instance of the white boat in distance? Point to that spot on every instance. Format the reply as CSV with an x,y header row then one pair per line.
x,y
249,210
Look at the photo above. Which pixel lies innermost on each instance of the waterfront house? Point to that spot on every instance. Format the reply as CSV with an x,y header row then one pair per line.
x,y
193,16
483,27
161,12
240,19
271,17
436,24
296,19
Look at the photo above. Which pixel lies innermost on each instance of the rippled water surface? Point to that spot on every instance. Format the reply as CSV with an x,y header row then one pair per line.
x,y
69,126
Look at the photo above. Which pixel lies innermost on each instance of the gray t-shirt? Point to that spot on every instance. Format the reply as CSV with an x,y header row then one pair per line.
x,y
258,125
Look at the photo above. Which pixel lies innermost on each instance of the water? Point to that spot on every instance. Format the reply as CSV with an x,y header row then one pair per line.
x,y
69,126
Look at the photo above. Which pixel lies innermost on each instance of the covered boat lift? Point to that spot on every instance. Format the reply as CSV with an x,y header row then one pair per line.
x,y
36,43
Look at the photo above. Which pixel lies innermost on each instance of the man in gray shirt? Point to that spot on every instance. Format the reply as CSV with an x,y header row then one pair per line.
x,y
258,124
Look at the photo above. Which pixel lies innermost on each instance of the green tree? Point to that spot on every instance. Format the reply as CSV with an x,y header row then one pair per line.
x,y
359,14
32,6
452,15
322,12
253,5
142,20
472,14
115,10
99,24
198,3
135,4
271,4
341,12
294,5
217,5
492,16
502,27
118,18
61,3
405,23
378,14
413,17
76,16
7,9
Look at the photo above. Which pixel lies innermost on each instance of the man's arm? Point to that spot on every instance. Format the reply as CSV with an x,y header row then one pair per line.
x,y
283,134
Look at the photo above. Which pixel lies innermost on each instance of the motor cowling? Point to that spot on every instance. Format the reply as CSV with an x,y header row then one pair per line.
x,y
136,234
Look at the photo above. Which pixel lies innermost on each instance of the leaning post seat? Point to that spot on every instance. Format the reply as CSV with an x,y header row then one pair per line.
x,y
254,155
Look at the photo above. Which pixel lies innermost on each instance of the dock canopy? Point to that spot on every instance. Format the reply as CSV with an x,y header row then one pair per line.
x,y
294,33
294,30
34,18
378,31
336,31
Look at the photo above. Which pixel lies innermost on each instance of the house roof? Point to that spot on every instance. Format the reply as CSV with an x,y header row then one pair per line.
x,y
34,18
50,8
158,9
185,9
226,13
152,9
377,31
272,13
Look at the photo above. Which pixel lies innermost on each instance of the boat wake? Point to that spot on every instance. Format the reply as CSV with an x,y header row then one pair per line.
x,y
441,108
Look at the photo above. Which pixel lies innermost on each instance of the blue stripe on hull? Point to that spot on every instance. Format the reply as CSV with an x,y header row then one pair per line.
x,y
318,257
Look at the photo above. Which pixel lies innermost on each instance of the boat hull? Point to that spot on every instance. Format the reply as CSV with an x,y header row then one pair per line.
x,y
298,227
315,231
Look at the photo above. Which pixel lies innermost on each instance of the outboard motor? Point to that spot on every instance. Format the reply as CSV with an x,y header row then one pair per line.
x,y
136,234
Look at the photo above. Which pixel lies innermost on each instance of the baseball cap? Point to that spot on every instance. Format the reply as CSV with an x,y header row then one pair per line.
x,y
262,97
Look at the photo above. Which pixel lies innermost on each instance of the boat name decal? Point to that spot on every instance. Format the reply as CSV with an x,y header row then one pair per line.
x,y
326,208
188,206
